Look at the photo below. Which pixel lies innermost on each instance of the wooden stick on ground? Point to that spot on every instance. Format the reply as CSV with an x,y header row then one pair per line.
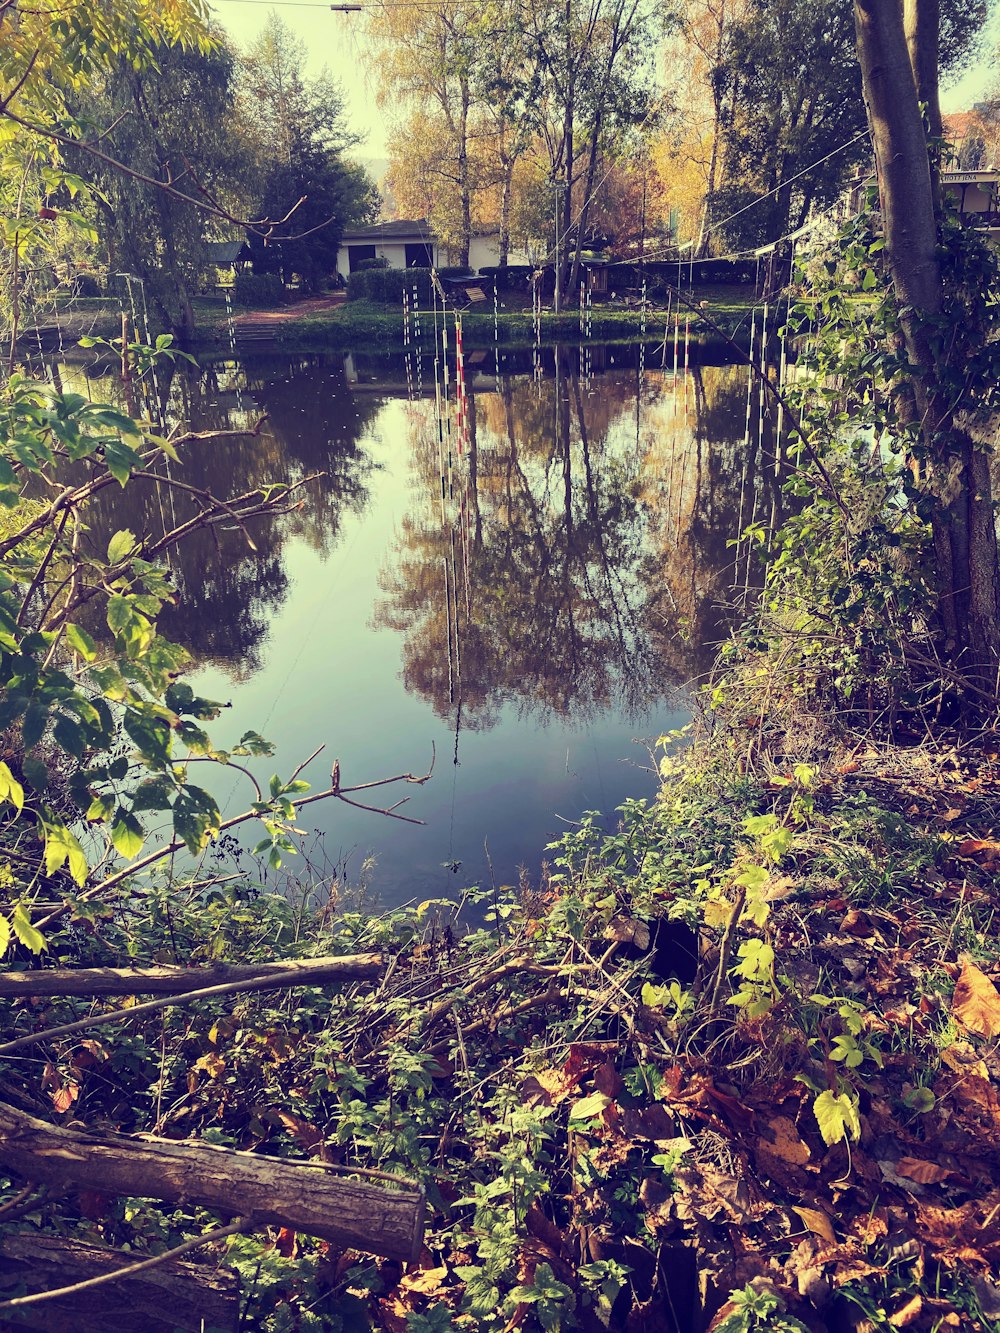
x,y
302,1196
271,981
175,1297
178,980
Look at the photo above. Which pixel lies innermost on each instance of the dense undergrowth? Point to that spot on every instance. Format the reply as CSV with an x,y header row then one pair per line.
x,y
744,1044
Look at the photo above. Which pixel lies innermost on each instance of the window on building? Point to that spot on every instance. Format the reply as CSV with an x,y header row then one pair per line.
x,y
357,254
419,256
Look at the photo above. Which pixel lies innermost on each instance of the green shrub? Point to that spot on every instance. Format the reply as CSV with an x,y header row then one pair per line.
x,y
259,289
386,285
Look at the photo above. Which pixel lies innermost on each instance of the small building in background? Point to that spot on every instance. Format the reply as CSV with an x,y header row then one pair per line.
x,y
976,195
401,244
234,255
410,243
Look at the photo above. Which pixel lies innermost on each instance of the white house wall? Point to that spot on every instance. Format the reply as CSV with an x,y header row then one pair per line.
x,y
483,253
393,251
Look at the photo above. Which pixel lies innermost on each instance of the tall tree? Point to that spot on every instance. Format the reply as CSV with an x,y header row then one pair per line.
x,y
899,67
172,120
788,87
301,135
595,80
432,55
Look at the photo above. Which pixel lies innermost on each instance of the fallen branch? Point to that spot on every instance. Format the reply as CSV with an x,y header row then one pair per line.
x,y
180,980
303,1196
270,981
129,1271
175,844
178,1295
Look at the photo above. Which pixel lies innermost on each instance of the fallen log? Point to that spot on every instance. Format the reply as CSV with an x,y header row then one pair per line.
x,y
176,980
177,1295
385,1218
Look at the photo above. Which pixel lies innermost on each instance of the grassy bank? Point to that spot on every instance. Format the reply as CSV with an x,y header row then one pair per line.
x,y
364,325
733,1066
368,326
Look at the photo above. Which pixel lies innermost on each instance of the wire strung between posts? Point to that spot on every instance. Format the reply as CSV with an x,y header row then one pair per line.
x,y
666,332
461,404
536,317
438,405
759,453
497,354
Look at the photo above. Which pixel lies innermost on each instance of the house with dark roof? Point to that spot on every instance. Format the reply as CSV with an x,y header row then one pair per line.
x,y
412,244
404,244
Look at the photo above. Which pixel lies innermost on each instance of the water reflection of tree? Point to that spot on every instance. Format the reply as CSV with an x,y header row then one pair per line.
x,y
699,483
229,592
593,548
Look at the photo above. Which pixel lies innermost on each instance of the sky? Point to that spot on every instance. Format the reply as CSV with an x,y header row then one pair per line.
x,y
337,41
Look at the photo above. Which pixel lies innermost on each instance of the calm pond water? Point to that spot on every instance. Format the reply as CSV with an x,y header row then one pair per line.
x,y
529,628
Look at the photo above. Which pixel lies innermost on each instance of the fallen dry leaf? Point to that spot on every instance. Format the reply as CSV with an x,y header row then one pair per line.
x,y
907,1313
818,1223
927,1173
857,923
788,1143
628,930
977,846
425,1281
961,1056
976,1002
64,1097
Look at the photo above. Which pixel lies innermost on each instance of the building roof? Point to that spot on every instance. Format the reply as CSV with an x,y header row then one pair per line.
x,y
223,252
403,229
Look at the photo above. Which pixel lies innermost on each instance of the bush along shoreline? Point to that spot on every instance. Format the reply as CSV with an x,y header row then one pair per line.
x,y
729,1066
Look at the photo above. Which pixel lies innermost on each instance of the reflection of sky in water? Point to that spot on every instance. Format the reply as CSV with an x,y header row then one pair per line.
x,y
596,547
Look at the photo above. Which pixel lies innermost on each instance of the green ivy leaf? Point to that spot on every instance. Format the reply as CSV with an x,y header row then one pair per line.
x,y
10,789
121,545
81,642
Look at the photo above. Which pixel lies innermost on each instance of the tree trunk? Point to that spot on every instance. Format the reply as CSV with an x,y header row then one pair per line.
x,y
503,244
302,1196
922,23
958,473
464,182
